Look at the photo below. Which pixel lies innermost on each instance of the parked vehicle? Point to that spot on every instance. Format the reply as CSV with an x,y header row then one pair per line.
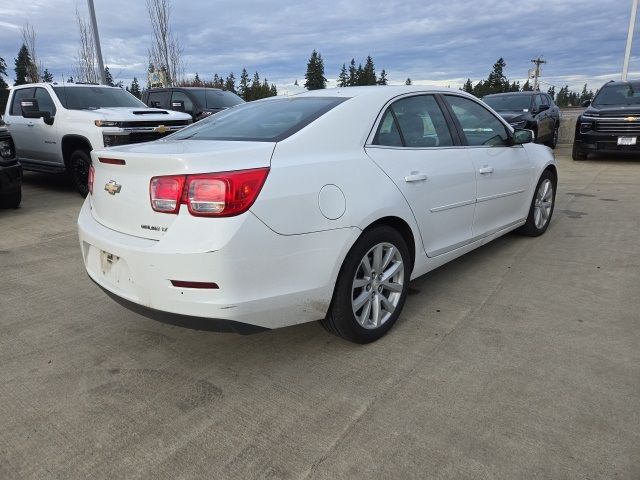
x,y
319,206
199,102
611,122
531,110
55,127
10,171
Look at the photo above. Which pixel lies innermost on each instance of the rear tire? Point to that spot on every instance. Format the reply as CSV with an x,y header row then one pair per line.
x,y
371,288
78,169
577,153
542,205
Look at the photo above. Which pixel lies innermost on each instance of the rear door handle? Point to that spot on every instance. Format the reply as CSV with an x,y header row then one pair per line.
x,y
485,170
30,124
415,177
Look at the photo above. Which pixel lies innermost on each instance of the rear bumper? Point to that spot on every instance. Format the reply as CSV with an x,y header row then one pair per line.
x,y
265,279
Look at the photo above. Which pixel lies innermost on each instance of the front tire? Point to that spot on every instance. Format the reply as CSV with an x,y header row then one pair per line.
x,y
577,153
371,288
78,169
542,205
554,139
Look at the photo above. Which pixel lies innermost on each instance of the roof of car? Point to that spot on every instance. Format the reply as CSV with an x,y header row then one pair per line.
x,y
378,91
529,93
55,84
618,83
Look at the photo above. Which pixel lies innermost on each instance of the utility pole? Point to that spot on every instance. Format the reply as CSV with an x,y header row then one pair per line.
x,y
538,61
632,26
96,40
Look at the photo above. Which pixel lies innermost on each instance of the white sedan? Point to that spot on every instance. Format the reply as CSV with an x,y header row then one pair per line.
x,y
319,206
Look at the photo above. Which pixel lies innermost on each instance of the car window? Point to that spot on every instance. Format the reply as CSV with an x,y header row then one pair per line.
x,y
544,100
480,126
178,96
158,99
94,97
45,103
18,96
417,122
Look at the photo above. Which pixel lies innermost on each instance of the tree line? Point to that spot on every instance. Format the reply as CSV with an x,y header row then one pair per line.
x,y
349,77
247,89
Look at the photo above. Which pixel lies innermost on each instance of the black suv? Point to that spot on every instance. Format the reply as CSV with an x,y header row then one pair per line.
x,y
611,122
10,171
531,110
199,102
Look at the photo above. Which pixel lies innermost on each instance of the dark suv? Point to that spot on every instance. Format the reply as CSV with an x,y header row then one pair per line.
x,y
199,102
611,122
531,110
10,171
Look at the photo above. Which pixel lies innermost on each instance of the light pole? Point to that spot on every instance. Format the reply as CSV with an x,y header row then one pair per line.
x,y
627,53
96,40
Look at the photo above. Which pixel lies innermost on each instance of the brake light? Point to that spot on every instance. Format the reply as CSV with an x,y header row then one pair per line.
x,y
90,179
222,194
166,192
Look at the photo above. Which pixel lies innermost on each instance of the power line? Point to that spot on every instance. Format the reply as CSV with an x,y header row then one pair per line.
x,y
537,61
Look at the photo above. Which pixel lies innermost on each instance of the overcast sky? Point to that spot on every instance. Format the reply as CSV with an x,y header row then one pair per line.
x,y
440,42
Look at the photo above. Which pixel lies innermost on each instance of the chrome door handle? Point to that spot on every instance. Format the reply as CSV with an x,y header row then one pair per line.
x,y
30,124
485,170
415,177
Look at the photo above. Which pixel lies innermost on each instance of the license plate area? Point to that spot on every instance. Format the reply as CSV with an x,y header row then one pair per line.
x,y
627,140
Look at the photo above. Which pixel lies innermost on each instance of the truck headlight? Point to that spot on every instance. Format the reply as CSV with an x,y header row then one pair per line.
x,y
106,123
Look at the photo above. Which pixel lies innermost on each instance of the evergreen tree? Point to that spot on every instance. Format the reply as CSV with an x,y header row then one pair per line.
x,y
47,76
296,82
243,87
368,72
196,81
108,78
22,63
408,81
527,86
230,83
135,88
468,86
273,91
383,78
314,78
497,82
552,92
343,78
585,95
515,87
3,73
254,89
353,78
70,80
359,75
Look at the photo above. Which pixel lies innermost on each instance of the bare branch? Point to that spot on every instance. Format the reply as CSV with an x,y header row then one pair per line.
x,y
165,52
87,69
34,68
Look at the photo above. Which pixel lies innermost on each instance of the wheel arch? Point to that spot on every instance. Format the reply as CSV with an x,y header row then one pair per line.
x,y
402,227
71,143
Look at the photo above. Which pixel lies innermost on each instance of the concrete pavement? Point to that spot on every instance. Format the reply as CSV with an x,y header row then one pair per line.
x,y
519,360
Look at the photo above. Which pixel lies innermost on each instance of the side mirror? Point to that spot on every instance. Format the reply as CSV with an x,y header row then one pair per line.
x,y
521,136
543,107
177,105
586,103
31,109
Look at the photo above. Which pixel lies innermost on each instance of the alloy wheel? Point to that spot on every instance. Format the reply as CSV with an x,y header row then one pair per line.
x,y
377,285
543,204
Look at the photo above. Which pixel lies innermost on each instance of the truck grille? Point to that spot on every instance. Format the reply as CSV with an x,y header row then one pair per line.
x,y
619,127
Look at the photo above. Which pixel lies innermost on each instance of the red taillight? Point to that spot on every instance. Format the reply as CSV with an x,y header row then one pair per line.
x,y
166,192
210,194
92,176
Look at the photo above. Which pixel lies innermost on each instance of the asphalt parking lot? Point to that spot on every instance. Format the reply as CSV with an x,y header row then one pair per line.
x,y
519,360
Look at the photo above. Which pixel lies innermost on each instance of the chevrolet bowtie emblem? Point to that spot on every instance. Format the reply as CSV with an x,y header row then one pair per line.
x,y
631,119
112,187
161,129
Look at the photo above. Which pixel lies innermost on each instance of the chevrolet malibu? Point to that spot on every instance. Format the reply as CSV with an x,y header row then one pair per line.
x,y
318,206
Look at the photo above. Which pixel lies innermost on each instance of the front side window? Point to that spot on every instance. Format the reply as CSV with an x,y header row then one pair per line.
x,y
537,103
178,96
18,96
92,98
262,121
480,126
45,103
415,122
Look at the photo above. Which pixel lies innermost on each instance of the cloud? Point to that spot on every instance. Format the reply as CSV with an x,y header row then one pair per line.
x,y
441,42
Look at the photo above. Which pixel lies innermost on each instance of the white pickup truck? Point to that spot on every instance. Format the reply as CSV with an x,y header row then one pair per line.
x,y
55,126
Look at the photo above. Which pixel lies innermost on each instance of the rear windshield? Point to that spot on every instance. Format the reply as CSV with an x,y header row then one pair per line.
x,y
91,98
217,99
509,103
263,121
628,94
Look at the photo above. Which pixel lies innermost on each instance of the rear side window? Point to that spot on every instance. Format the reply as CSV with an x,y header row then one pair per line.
x,y
262,121
418,121
480,126
18,96
179,96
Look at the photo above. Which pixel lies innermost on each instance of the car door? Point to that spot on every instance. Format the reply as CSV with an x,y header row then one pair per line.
x,y
415,146
18,125
544,119
44,146
503,171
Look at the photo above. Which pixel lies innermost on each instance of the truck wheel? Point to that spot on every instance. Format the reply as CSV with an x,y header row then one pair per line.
x,y
78,169
577,153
